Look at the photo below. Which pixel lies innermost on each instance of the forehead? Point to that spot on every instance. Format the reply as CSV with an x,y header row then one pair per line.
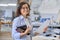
x,y
25,5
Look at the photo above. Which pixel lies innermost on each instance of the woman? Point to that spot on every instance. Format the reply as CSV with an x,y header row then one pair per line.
x,y
23,12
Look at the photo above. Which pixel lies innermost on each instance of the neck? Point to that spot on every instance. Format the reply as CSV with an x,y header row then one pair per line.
x,y
24,16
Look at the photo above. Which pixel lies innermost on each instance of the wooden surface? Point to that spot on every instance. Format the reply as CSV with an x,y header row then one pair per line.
x,y
5,36
5,22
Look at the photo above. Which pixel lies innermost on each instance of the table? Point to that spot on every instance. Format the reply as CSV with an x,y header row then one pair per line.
x,y
1,23
55,26
44,38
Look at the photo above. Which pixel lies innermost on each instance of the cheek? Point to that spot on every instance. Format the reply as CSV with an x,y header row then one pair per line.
x,y
21,11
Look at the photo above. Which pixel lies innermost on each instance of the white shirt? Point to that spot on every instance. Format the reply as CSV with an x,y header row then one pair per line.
x,y
19,21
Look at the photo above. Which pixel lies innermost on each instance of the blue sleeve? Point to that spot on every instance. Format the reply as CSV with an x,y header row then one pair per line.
x,y
15,34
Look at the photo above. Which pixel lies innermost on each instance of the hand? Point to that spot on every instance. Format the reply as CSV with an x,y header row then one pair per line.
x,y
45,29
27,30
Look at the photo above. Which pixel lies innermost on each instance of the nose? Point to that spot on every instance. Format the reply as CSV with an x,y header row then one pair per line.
x,y
26,9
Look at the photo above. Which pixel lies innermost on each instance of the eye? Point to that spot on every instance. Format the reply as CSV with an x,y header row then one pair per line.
x,y
25,8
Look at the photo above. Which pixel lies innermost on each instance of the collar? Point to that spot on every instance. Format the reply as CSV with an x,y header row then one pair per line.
x,y
21,17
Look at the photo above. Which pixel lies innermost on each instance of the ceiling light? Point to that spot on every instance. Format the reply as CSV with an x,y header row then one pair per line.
x,y
12,4
8,4
3,5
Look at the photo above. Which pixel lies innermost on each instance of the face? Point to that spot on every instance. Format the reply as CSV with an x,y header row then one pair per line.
x,y
25,10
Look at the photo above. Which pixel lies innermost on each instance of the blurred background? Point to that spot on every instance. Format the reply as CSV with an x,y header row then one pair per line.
x,y
41,10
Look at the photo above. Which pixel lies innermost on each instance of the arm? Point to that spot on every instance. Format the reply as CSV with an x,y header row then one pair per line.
x,y
14,26
26,32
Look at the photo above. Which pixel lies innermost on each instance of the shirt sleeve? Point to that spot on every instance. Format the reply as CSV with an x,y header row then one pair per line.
x,y
15,34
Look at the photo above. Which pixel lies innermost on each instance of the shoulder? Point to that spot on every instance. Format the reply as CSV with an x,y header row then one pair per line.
x,y
16,19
